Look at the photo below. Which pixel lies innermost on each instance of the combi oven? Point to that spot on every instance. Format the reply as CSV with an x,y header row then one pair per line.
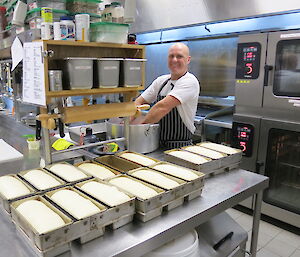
x,y
266,125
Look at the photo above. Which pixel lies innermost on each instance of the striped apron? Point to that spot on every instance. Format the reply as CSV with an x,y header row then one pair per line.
x,y
173,132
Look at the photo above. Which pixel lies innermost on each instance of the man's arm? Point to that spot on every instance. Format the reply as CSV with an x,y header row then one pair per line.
x,y
160,109
140,100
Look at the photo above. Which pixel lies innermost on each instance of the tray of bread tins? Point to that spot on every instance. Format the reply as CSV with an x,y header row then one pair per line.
x,y
117,163
46,227
97,169
149,199
233,155
120,205
175,188
194,179
41,180
89,216
137,158
67,172
12,188
191,160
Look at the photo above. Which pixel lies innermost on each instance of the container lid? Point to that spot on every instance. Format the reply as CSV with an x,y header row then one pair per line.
x,y
53,11
66,18
95,24
107,5
110,59
115,4
135,60
91,1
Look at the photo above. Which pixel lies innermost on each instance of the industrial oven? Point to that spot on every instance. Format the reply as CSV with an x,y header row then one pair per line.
x,y
266,124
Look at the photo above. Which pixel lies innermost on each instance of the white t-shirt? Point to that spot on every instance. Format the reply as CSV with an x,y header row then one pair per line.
x,y
186,90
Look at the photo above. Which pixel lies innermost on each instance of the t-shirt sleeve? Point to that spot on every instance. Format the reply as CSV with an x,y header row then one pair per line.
x,y
185,90
150,94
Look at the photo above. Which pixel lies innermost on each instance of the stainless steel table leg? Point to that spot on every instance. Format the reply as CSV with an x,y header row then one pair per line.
x,y
47,146
256,220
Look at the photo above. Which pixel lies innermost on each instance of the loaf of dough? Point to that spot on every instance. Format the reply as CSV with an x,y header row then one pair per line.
x,y
155,178
41,180
40,216
98,171
143,160
75,204
134,187
67,172
177,171
220,148
11,187
205,152
190,157
107,194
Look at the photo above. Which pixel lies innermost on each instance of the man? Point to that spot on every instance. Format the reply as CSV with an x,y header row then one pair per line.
x,y
176,98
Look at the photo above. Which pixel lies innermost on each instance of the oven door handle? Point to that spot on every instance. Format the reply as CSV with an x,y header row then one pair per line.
x,y
268,68
258,165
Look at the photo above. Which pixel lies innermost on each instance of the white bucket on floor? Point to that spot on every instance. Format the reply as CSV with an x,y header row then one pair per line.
x,y
184,246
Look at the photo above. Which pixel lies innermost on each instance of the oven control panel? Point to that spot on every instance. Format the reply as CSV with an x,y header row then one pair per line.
x,y
248,60
242,137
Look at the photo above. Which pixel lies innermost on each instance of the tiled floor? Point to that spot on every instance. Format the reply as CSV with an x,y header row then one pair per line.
x,y
272,241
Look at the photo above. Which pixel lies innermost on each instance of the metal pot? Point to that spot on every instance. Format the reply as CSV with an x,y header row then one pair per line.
x,y
143,138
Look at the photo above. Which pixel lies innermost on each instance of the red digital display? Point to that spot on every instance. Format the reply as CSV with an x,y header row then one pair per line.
x,y
243,134
243,146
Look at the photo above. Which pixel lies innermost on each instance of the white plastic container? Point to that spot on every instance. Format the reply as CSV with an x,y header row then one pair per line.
x,y
107,15
82,22
67,28
56,31
109,32
117,12
46,30
184,246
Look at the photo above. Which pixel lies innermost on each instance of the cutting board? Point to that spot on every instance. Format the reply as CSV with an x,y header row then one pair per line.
x,y
8,153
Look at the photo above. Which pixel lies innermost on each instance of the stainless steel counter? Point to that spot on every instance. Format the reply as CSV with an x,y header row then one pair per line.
x,y
220,193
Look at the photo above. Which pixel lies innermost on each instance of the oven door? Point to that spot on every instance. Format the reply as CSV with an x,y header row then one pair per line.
x,y
279,151
282,70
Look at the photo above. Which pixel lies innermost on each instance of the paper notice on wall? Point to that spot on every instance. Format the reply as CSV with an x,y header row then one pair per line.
x,y
16,53
33,74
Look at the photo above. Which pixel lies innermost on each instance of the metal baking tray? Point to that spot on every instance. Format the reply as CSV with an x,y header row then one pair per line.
x,y
97,163
120,153
171,194
47,240
68,182
51,252
223,161
204,167
231,158
191,185
62,183
7,202
117,163
86,225
113,213
152,203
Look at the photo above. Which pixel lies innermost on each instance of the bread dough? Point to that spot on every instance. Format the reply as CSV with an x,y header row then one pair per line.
x,y
177,171
155,178
107,194
98,171
143,160
75,204
67,172
11,187
205,152
40,179
190,157
220,148
134,187
40,216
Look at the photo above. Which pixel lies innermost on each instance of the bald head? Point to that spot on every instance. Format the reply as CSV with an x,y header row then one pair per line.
x,y
178,60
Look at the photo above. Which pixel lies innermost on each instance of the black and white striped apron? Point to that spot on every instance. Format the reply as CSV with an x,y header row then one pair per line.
x,y
173,132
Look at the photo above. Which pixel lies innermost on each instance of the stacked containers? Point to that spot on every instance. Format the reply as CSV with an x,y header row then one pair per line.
x,y
108,72
131,73
55,4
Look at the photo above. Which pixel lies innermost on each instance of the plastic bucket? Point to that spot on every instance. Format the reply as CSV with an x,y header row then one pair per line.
x,y
184,246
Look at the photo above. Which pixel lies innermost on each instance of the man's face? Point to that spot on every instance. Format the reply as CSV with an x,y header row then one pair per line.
x,y
178,60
